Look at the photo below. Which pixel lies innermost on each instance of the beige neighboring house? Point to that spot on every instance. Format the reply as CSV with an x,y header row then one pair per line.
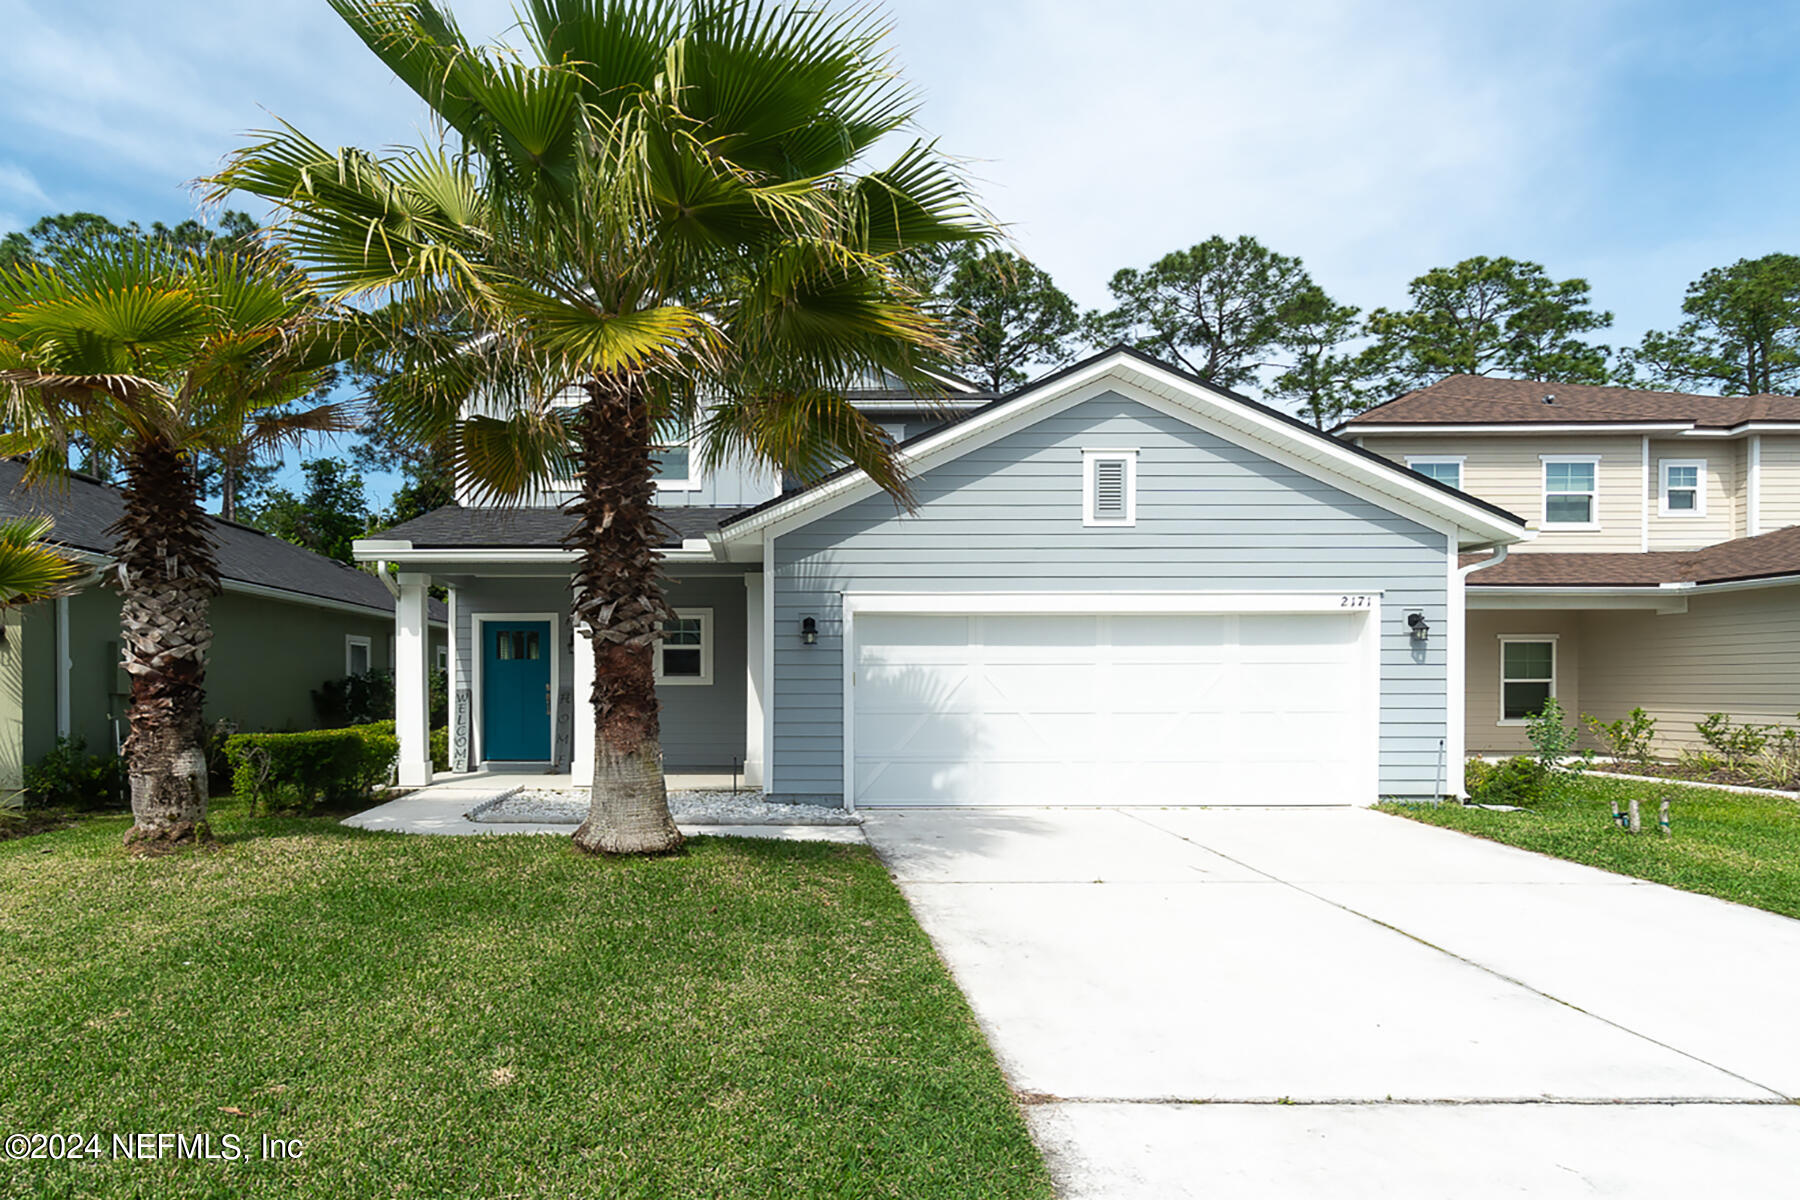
x,y
1665,570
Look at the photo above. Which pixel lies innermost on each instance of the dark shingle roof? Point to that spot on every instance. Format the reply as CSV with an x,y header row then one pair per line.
x,y
456,527
1760,557
1478,400
84,508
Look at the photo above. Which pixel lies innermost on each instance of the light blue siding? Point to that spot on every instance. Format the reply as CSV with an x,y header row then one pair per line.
x,y
702,724
1007,517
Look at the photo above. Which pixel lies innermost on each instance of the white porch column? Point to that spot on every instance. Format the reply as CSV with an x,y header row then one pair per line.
x,y
412,693
581,709
755,636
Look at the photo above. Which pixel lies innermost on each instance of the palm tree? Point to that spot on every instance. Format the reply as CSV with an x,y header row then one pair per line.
x,y
664,215
31,569
155,356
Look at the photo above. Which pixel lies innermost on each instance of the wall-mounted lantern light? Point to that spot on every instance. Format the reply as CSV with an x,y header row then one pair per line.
x,y
1421,632
809,631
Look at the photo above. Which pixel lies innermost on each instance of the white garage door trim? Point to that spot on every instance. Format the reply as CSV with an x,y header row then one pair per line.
x,y
1366,604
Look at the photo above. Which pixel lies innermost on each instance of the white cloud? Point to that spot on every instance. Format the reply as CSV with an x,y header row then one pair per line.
x,y
16,183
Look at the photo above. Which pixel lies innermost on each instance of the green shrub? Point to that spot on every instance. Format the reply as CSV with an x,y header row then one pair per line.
x,y
69,777
1626,739
369,697
440,748
304,770
1476,773
1733,743
355,699
1518,781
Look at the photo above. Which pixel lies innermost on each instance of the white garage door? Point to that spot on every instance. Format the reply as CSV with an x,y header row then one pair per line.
x,y
1266,708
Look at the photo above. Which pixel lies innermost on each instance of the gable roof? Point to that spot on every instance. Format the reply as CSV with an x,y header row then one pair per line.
x,y
1480,400
1765,556
1257,422
456,527
84,508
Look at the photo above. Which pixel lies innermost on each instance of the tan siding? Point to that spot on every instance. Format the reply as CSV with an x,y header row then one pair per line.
x,y
1780,481
1507,471
1731,652
1724,495
1485,734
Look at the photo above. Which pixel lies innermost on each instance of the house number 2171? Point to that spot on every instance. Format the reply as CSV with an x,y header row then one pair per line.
x,y
1353,601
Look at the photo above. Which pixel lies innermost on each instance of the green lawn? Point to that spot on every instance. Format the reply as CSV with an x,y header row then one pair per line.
x,y
490,1017
1742,848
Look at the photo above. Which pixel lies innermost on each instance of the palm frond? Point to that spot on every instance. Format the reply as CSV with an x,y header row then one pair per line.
x,y
32,569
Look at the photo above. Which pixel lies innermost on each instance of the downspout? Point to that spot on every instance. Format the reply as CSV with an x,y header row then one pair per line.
x,y
1499,556
387,581
63,722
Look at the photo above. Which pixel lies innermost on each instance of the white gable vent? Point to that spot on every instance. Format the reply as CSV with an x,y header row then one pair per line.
x,y
1109,487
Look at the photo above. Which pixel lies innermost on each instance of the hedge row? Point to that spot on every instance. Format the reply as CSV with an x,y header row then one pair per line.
x,y
305,770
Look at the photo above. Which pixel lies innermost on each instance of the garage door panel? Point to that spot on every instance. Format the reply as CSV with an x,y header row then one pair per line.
x,y
1109,709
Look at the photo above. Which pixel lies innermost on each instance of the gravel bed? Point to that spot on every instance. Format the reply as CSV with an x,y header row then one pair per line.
x,y
538,806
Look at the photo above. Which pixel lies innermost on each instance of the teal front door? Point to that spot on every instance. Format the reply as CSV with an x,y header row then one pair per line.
x,y
515,691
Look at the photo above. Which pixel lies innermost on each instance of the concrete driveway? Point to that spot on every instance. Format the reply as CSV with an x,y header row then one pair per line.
x,y
1338,1003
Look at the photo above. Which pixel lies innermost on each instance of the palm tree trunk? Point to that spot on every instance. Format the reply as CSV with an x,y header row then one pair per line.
x,y
167,577
619,596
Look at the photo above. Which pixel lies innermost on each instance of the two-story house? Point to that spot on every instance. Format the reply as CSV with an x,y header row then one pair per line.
x,y
1665,567
1117,585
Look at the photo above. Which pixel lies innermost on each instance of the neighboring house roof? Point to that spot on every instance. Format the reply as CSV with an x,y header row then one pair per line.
x,y
1479,400
84,509
1766,556
1256,420
456,527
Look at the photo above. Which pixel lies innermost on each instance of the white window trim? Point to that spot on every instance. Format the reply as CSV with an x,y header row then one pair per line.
x,y
1555,667
1415,461
1544,521
692,481
1089,458
1662,488
440,658
705,617
353,640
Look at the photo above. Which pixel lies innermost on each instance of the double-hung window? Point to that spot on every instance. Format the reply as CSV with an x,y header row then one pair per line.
x,y
1444,468
1527,676
359,656
1571,491
1683,490
685,651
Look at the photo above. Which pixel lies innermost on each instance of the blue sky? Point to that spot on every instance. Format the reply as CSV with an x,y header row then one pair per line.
x,y
1633,143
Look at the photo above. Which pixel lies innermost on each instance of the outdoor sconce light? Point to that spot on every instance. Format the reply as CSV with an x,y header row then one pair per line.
x,y
809,631
1421,632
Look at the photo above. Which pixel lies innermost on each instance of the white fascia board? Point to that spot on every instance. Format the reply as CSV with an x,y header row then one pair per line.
x,y
1648,598
1388,486
692,550
1521,428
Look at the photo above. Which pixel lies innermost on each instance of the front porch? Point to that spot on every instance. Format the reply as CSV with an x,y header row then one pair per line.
x,y
1677,651
519,676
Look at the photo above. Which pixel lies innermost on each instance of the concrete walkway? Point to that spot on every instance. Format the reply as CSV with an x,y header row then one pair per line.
x,y
1338,1003
440,809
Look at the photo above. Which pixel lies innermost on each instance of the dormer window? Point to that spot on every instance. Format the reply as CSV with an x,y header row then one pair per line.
x,y
1571,491
1683,492
1109,487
